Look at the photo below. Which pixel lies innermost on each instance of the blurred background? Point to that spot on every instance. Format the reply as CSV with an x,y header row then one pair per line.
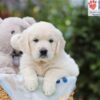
x,y
82,35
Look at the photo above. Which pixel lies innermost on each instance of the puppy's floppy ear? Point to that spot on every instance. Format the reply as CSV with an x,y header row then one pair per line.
x,y
21,42
15,41
60,42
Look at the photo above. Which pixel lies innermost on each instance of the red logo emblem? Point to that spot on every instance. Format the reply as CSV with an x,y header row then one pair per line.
x,y
92,4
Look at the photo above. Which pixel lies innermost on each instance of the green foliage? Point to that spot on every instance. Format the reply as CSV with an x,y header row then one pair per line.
x,y
82,35
85,48
4,11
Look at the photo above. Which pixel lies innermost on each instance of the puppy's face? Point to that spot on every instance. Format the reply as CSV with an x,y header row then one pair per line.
x,y
42,45
42,41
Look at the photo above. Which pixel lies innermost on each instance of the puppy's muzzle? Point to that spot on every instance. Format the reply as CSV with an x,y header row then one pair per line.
x,y
43,53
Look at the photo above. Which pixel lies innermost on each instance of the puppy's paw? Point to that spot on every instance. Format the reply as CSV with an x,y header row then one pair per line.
x,y
49,88
31,85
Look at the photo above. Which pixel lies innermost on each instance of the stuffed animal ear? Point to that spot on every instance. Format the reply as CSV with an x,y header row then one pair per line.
x,y
60,43
1,20
29,20
24,24
17,21
20,42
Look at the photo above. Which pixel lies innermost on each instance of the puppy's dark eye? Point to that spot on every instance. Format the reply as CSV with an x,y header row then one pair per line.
x,y
36,40
12,32
51,40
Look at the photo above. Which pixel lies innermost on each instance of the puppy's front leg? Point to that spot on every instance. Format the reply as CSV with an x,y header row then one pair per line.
x,y
49,85
30,78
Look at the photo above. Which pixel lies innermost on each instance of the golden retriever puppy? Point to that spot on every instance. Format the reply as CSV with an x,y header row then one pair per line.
x,y
43,45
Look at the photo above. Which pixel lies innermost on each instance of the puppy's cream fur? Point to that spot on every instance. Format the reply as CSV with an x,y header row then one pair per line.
x,y
57,63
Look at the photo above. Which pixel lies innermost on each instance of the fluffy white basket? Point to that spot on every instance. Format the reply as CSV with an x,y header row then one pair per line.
x,y
13,85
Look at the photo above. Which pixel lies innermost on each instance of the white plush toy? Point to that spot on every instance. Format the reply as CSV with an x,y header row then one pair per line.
x,y
1,20
30,20
9,27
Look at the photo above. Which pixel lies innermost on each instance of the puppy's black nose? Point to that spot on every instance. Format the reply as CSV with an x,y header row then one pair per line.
x,y
43,52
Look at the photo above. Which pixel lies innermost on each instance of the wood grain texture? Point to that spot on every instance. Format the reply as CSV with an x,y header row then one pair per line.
x,y
3,94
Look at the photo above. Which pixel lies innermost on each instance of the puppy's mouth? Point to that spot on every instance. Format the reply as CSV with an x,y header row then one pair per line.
x,y
43,56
